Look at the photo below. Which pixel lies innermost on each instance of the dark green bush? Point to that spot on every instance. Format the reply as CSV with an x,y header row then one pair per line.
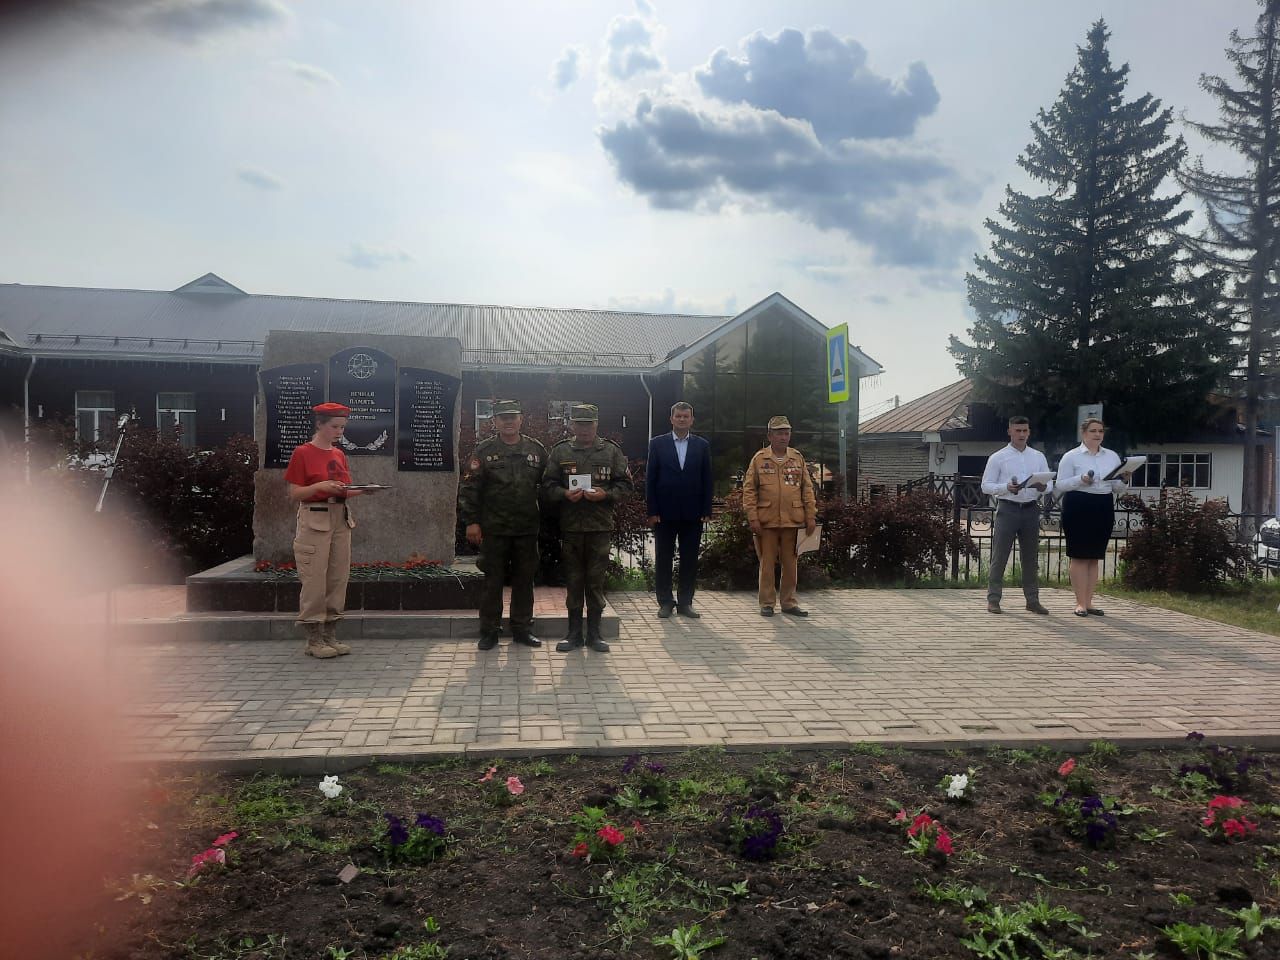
x,y
892,539
1184,544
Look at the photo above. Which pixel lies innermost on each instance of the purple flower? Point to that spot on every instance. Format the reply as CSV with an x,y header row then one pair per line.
x,y
434,824
655,768
632,762
1195,735
397,833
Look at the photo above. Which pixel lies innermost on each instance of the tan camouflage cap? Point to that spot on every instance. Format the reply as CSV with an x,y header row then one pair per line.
x,y
779,423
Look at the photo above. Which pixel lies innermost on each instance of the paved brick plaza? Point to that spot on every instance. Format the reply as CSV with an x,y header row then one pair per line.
x,y
908,666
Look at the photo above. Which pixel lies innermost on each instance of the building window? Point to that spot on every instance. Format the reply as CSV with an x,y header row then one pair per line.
x,y
559,410
176,416
1175,470
484,414
95,415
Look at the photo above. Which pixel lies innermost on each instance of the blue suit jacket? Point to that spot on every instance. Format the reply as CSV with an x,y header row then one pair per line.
x,y
673,494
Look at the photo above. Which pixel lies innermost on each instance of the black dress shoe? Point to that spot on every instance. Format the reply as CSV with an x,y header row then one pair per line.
x,y
664,610
598,644
1035,606
487,641
766,611
689,612
569,644
526,640
993,606
795,612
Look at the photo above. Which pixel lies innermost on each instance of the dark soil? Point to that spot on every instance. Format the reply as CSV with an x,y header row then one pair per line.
x,y
840,884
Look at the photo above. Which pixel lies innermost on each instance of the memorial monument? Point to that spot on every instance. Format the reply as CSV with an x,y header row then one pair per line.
x,y
405,394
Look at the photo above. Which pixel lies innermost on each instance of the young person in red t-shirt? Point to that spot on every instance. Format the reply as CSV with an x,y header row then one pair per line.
x,y
318,476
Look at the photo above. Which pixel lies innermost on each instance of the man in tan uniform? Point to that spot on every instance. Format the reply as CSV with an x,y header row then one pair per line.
x,y
777,494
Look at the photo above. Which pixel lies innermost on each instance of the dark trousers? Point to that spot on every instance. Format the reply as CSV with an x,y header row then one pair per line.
x,y
688,535
1023,522
586,566
499,557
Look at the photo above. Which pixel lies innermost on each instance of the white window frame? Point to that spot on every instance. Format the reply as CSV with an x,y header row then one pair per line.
x,y
97,412
187,438
559,410
1186,463
484,414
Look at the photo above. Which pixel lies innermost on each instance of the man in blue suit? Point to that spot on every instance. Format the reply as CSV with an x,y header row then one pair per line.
x,y
677,485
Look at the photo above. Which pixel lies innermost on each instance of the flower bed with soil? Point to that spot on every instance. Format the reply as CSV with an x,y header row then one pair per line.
x,y
870,852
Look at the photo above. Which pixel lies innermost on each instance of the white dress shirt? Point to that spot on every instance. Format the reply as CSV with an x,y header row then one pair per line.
x,y
1009,463
1079,461
682,447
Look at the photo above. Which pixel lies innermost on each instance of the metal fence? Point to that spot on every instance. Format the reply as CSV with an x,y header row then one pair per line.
x,y
971,510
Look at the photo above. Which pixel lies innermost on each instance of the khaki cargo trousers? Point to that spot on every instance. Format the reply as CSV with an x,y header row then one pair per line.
x,y
774,546
322,551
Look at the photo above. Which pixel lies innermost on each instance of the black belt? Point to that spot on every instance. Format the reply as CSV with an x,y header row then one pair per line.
x,y
1021,503
328,503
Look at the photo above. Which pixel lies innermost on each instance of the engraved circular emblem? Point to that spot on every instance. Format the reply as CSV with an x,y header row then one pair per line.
x,y
362,366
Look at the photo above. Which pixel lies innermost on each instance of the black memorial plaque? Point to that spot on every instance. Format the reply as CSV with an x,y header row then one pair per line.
x,y
364,379
290,392
427,400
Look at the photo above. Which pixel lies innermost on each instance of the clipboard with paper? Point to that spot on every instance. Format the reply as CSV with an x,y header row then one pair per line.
x,y
1127,466
808,542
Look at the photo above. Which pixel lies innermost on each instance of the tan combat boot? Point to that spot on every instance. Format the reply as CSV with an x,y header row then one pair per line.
x,y
330,634
316,647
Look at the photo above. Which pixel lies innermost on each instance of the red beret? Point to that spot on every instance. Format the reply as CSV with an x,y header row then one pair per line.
x,y
331,410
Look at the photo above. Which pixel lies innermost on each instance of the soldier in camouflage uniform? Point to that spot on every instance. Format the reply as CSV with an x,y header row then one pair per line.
x,y
586,518
498,501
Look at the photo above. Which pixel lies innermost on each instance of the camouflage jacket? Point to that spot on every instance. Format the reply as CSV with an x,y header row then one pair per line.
x,y
500,488
606,463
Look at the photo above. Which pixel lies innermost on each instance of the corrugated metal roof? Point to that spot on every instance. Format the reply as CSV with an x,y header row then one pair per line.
x,y
222,326
944,409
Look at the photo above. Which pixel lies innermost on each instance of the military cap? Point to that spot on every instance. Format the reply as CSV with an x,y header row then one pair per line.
x,y
779,423
584,412
331,410
506,406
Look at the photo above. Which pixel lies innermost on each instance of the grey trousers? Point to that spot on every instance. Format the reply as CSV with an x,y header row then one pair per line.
x,y
1014,520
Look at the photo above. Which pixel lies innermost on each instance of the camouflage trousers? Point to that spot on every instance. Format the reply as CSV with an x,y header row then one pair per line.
x,y
503,558
586,565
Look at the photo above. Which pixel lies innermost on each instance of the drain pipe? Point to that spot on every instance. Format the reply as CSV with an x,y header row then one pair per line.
x,y
26,420
648,435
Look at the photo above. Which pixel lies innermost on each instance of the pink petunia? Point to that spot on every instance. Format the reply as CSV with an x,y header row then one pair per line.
x,y
226,838
202,860
1068,765
610,835
900,815
489,775
943,842
514,786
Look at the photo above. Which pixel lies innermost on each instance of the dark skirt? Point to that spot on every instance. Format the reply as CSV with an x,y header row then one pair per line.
x,y
1086,523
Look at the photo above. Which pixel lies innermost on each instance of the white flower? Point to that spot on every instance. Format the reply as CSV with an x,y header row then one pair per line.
x,y
958,785
330,787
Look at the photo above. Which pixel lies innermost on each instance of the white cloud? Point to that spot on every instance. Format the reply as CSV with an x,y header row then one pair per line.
x,y
259,179
373,257
309,74
567,68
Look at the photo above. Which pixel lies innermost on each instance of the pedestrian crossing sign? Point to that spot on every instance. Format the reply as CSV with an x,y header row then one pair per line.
x,y
838,364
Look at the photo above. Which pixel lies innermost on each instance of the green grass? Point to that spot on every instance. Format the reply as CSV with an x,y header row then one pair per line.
x,y
1251,605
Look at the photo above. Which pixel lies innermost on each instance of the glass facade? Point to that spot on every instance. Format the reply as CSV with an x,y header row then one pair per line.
x,y
767,367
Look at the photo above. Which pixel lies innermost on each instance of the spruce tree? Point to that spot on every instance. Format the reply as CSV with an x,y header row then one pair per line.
x,y
1243,232
1087,294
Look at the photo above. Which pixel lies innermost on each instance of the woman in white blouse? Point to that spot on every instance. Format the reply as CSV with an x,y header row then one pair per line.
x,y
1088,511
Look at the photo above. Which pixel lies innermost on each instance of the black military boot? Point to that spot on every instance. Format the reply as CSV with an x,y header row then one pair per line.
x,y
573,639
594,640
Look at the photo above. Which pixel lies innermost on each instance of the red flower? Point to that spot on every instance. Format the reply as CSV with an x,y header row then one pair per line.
x,y
637,826
226,838
1068,765
262,566
919,823
900,815
610,835
1221,802
943,842
1238,827
581,850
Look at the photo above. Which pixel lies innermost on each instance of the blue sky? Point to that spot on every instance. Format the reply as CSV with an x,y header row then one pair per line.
x,y
691,157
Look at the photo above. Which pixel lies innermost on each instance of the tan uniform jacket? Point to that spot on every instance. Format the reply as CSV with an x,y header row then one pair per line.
x,y
779,494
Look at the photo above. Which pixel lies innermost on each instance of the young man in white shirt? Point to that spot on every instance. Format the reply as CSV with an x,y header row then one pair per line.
x,y
1017,513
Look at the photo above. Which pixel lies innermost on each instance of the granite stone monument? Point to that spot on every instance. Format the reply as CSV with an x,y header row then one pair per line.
x,y
404,394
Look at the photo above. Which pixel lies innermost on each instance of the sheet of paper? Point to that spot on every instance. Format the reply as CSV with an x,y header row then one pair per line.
x,y
580,481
